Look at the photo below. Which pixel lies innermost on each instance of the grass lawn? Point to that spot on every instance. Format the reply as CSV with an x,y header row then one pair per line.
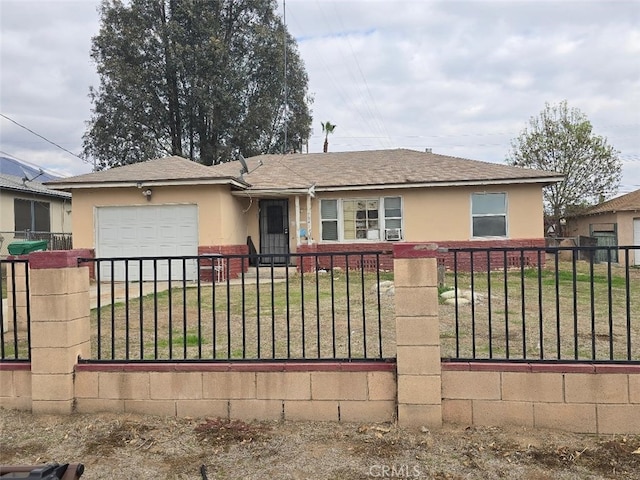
x,y
341,317
581,314
590,313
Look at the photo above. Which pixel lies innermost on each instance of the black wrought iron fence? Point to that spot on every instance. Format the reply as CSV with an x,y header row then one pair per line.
x,y
15,314
217,307
542,304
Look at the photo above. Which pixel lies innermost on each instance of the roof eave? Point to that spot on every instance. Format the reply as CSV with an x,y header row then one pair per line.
x,y
276,192
252,191
455,183
55,194
611,211
150,183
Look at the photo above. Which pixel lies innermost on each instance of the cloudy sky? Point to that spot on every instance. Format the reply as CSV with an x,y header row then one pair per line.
x,y
459,77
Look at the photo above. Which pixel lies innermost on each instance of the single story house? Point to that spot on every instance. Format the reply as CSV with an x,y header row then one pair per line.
x,y
614,222
356,201
27,207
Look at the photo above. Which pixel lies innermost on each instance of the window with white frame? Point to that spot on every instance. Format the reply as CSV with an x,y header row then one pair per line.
x,y
329,216
489,214
361,219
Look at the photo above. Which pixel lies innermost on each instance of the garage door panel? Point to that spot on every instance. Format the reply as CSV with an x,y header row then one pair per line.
x,y
147,251
108,235
128,235
147,231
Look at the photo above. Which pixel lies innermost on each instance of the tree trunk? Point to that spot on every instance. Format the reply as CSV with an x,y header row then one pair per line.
x,y
175,123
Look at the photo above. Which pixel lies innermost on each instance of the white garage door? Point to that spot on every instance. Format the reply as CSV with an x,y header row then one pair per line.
x,y
636,239
147,231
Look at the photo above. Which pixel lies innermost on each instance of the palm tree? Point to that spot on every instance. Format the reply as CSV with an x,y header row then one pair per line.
x,y
327,127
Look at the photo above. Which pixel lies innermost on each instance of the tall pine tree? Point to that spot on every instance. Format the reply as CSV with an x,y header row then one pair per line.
x,y
194,78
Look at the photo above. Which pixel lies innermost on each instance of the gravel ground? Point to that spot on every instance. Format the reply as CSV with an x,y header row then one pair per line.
x,y
149,447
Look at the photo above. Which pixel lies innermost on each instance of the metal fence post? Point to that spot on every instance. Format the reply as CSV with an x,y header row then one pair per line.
x,y
417,335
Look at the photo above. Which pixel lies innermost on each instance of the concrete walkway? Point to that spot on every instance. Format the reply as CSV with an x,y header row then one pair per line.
x,y
119,294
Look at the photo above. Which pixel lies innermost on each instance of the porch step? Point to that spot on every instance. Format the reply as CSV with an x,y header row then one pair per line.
x,y
265,272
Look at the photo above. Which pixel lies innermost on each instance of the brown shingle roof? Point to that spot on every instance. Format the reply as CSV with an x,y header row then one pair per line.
x,y
372,168
159,170
339,170
630,201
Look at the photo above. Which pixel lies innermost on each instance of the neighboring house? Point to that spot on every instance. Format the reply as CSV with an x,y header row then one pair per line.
x,y
355,201
614,222
27,207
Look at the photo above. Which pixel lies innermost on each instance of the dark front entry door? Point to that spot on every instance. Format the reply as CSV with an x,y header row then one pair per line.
x,y
274,230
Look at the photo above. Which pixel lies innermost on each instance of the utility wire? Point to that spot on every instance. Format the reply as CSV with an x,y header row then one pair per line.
x,y
44,138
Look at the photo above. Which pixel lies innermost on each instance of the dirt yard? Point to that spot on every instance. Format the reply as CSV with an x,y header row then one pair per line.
x,y
147,447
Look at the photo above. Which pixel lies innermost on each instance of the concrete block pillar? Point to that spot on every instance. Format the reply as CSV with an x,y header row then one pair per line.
x,y
60,327
417,335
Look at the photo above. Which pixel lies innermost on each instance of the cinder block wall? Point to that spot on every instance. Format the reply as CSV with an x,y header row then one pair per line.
x,y
580,398
326,392
15,386
587,398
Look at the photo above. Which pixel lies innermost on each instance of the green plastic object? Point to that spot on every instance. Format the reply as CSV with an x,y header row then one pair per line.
x,y
22,248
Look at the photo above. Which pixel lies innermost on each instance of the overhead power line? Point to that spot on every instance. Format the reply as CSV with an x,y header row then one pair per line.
x,y
44,138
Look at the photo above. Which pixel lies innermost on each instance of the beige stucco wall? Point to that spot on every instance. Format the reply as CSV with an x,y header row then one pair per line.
x,y
624,222
59,209
429,214
220,217
625,227
232,226
253,221
444,214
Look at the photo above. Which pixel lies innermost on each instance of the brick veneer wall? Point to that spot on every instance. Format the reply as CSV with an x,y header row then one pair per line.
x,y
463,261
582,398
340,261
494,259
232,268
354,392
